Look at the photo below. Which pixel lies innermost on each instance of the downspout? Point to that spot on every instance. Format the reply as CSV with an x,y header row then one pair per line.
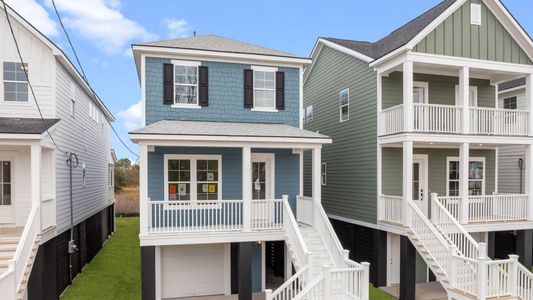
x,y
72,162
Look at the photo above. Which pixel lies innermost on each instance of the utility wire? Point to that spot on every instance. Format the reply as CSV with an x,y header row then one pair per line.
x,y
86,79
28,78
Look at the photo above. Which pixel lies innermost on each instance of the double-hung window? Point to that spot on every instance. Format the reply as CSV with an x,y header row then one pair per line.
x,y
186,83
309,114
510,103
323,174
264,88
344,102
15,82
5,183
476,176
192,177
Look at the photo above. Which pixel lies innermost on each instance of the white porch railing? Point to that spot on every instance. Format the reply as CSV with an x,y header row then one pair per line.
x,y
267,214
437,118
305,208
489,208
48,213
391,120
390,209
494,121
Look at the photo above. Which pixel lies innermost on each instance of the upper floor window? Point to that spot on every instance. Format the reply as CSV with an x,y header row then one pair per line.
x,y
94,113
510,103
476,176
344,97
309,114
185,83
264,87
15,82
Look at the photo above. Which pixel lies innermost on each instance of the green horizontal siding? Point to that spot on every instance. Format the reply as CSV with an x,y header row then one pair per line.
x,y
441,89
488,41
351,159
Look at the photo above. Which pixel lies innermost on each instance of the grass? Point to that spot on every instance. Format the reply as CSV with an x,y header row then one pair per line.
x,y
115,272
127,200
377,294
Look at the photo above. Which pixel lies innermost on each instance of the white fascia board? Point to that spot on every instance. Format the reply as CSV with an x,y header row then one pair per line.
x,y
217,55
498,226
345,50
166,239
455,138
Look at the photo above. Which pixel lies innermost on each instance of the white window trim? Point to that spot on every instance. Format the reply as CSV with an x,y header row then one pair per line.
x,y
17,103
472,88
471,159
73,108
324,175
193,181
264,69
425,86
185,63
341,106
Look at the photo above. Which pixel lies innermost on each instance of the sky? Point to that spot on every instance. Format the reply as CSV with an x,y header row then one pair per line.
x,y
102,32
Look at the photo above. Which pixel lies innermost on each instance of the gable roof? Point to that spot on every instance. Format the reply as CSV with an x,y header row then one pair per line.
x,y
213,42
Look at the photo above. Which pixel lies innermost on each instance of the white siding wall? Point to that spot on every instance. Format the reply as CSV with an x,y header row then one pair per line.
x,y
40,62
92,144
508,171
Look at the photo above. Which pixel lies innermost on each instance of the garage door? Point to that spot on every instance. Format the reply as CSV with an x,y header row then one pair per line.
x,y
192,270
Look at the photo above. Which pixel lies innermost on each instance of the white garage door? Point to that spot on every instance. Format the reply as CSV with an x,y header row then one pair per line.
x,y
192,270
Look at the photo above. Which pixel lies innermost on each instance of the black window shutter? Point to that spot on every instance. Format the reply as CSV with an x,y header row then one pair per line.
x,y
203,82
248,88
280,90
168,84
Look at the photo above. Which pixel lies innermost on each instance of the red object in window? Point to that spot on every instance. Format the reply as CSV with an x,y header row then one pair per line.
x,y
172,189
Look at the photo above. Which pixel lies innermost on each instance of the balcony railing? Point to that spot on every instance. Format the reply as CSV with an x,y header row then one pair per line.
x,y
436,118
213,216
390,209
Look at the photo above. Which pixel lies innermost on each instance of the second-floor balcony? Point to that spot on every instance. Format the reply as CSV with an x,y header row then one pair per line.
x,y
448,119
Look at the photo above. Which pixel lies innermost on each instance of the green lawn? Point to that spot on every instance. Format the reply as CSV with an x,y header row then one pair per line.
x,y
115,272
377,294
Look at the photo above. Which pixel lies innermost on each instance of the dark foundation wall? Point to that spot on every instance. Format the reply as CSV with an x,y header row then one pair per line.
x,y
51,274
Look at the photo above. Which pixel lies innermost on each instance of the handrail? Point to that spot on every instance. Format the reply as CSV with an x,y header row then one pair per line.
x,y
314,290
290,288
291,226
392,108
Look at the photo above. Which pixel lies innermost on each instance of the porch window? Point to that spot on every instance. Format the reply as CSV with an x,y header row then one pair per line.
x,y
476,177
264,88
344,97
190,178
5,183
15,82
185,84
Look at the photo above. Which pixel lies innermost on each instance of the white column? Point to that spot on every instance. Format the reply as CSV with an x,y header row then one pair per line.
x,y
247,188
408,96
463,182
407,179
317,176
143,188
379,103
379,182
529,103
529,181
464,98
35,174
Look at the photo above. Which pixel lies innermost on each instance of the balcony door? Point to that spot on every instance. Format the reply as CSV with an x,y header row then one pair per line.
x,y
420,96
7,208
420,182
262,185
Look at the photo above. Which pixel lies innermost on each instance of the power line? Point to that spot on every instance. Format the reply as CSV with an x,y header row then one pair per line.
x,y
28,78
85,77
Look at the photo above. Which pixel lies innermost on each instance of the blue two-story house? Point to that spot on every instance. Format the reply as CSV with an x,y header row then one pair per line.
x,y
221,175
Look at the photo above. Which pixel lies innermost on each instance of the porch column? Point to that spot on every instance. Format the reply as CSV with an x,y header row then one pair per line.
x,y
529,103
464,98
407,179
35,174
529,181
408,96
143,188
524,247
316,169
463,182
247,188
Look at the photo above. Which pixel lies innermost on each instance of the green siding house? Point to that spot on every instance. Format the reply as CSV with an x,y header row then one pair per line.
x,y
411,181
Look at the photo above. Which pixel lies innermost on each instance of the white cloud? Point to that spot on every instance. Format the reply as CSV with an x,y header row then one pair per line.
x,y
101,22
34,13
176,27
131,117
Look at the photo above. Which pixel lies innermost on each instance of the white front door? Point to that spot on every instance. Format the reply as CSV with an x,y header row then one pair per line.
x,y
420,184
393,257
7,208
262,184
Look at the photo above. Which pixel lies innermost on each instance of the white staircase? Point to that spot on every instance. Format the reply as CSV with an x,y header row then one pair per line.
x,y
459,262
323,268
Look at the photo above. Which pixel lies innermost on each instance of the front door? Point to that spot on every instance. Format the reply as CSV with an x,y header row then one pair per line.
x,y
7,208
262,185
420,189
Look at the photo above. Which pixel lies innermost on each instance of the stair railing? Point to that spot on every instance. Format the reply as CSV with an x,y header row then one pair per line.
x,y
294,235
290,288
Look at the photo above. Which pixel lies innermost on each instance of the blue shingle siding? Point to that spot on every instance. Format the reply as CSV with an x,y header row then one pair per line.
x,y
226,95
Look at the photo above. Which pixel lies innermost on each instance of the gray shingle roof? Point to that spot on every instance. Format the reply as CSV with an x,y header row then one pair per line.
x,y
25,125
175,127
397,38
511,84
217,43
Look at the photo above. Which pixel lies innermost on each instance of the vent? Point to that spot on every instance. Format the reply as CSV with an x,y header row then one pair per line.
x,y
475,14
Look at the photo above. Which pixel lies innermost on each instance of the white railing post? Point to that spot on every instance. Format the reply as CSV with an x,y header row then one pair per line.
x,y
408,96
407,181
346,254
463,182
434,217
316,174
365,281
327,281
143,189
268,294
247,188
482,278
464,98
452,274
529,181
513,275
529,103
